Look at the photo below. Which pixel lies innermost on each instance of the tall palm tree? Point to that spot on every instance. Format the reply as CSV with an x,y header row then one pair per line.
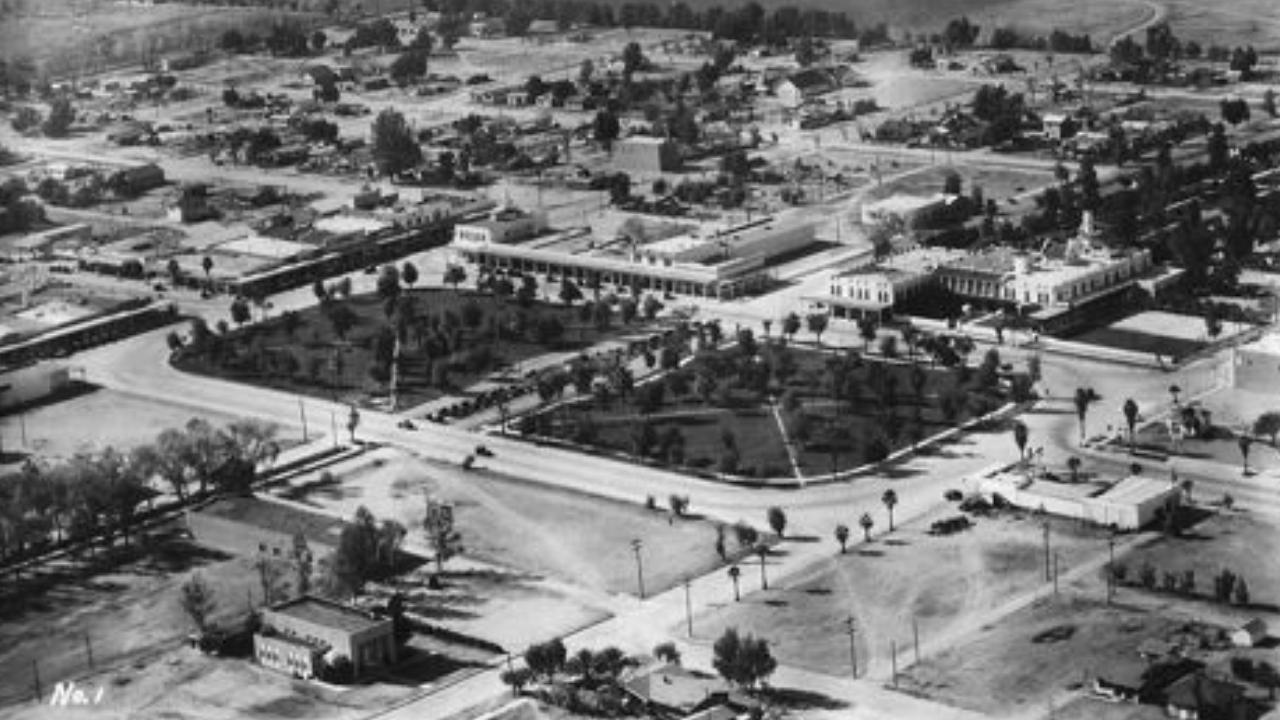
x,y
867,523
1130,409
1245,442
762,550
842,537
1073,463
890,498
1020,439
1082,400
734,573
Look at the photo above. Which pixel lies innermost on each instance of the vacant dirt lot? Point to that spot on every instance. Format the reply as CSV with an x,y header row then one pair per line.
x,y
575,539
59,429
1034,655
940,582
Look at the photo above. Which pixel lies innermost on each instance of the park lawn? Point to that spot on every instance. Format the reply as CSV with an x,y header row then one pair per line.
x,y
760,441
316,342
1035,654
941,583
1243,543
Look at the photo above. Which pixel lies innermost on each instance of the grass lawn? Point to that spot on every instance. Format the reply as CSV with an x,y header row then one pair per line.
x,y
1244,543
258,354
940,582
1035,654
716,408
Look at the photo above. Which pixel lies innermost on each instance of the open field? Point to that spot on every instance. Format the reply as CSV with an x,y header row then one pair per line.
x,y
1242,542
522,527
485,341
59,429
1238,22
939,582
1035,655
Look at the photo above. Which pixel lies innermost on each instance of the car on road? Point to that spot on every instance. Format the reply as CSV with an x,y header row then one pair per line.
x,y
483,451
406,424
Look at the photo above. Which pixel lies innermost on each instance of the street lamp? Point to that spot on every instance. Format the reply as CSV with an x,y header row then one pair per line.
x,y
636,546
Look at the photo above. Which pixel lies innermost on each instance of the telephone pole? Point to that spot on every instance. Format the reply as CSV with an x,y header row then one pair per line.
x,y
688,608
852,629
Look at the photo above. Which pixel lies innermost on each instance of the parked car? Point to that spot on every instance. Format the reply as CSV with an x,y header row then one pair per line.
x,y
483,451
406,424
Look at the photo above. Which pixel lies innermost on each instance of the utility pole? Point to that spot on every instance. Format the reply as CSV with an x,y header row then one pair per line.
x,y
853,649
1111,567
688,608
35,670
915,634
636,545
88,648
893,658
302,413
1046,548
1055,574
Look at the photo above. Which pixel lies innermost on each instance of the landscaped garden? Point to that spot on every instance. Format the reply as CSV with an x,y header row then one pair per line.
x,y
417,344
766,409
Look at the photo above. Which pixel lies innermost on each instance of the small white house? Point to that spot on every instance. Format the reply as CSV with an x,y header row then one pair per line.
x,y
1250,633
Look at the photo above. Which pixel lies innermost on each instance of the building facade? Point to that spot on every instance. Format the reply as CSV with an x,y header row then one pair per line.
x,y
297,633
643,154
723,264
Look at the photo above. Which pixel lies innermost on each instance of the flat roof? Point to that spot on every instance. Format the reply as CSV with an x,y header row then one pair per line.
x,y
344,224
327,613
266,247
1137,489
902,202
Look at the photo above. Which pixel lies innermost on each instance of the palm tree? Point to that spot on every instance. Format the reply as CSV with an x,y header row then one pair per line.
x,y
867,523
842,537
734,573
1020,439
1073,463
1082,400
1174,390
890,498
1245,441
1131,417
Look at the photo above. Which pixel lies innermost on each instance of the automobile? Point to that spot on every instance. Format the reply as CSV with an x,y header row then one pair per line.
x,y
483,451
406,424
159,287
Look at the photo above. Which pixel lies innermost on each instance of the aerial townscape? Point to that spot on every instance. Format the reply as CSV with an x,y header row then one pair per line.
x,y
690,360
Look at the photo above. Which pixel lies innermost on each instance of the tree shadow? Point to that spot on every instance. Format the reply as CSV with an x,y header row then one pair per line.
x,y
896,542
871,553
796,699
803,538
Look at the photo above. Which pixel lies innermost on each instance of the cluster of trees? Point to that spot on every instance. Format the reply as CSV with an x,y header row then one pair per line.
x,y
394,147
20,211
1228,587
743,660
1058,41
96,494
747,23
287,38
367,549
587,682
1163,50
1002,110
